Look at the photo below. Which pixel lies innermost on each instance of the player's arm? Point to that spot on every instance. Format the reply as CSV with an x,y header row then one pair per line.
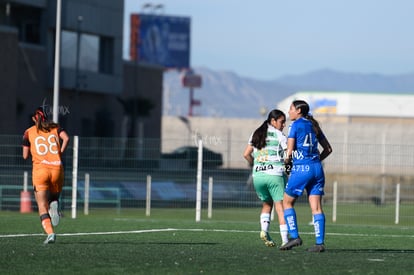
x,y
26,152
248,154
26,146
288,157
327,148
65,140
289,150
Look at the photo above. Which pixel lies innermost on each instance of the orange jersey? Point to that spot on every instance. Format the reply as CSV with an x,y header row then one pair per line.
x,y
44,147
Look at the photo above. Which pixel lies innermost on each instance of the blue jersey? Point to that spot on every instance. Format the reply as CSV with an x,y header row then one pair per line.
x,y
307,171
306,142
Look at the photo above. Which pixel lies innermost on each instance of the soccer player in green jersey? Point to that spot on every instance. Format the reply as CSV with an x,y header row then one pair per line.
x,y
265,153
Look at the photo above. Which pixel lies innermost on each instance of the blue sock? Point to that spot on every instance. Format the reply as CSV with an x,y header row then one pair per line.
x,y
290,218
319,225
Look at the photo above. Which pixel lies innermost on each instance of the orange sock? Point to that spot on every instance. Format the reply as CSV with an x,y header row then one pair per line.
x,y
46,224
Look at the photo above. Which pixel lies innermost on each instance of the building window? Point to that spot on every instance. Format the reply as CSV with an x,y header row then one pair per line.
x,y
29,32
106,55
26,19
89,54
96,53
88,51
68,49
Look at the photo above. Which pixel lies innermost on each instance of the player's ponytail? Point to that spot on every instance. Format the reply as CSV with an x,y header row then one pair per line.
x,y
260,135
41,121
315,124
304,111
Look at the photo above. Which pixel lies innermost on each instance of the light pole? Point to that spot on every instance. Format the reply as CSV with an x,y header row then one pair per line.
x,y
159,7
57,62
187,123
263,111
146,6
153,7
8,14
78,41
77,76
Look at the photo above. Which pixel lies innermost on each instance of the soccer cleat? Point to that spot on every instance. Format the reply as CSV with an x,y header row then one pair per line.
x,y
266,238
54,213
317,248
51,238
291,243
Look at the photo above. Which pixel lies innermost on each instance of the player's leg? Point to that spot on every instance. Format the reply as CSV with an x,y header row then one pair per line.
x,y
55,190
294,189
265,217
290,216
316,191
40,179
260,185
283,228
43,205
318,223
277,191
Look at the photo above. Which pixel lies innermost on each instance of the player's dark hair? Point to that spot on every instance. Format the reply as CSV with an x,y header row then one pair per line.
x,y
41,121
304,111
260,135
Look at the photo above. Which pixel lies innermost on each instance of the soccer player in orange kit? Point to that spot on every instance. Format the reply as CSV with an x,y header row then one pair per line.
x,y
45,142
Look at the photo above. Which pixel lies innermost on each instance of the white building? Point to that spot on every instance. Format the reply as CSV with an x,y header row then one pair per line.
x,y
352,104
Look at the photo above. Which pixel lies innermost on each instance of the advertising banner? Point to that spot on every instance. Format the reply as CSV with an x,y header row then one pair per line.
x,y
160,40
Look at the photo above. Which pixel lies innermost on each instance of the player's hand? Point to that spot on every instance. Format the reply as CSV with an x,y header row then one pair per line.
x,y
288,166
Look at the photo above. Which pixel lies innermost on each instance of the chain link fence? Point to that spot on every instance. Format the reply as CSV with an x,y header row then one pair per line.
x,y
365,169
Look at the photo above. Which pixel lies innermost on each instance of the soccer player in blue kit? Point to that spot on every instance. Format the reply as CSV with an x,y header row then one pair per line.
x,y
304,158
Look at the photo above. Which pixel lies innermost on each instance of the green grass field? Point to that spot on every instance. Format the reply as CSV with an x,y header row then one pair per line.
x,y
171,242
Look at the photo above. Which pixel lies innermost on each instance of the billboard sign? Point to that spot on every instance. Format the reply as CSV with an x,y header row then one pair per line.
x,y
324,105
160,40
191,80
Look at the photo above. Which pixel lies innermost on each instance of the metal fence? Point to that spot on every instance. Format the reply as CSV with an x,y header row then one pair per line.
x,y
366,173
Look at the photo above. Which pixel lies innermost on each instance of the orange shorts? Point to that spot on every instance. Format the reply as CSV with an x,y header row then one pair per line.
x,y
45,178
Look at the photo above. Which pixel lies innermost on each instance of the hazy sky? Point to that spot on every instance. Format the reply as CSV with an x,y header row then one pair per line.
x,y
266,39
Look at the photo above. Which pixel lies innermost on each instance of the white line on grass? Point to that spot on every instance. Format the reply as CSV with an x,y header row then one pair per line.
x,y
196,230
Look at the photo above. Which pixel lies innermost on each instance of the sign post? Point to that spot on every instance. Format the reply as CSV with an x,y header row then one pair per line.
x,y
191,80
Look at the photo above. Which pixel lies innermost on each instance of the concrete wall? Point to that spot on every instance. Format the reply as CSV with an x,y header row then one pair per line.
x,y
373,147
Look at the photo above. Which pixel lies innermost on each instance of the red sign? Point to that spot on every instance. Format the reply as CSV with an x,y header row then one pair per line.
x,y
191,80
134,38
195,102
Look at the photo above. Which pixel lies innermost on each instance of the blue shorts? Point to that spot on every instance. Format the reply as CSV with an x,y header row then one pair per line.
x,y
309,176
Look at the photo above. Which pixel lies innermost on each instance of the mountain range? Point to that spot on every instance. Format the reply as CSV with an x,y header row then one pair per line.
x,y
226,94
